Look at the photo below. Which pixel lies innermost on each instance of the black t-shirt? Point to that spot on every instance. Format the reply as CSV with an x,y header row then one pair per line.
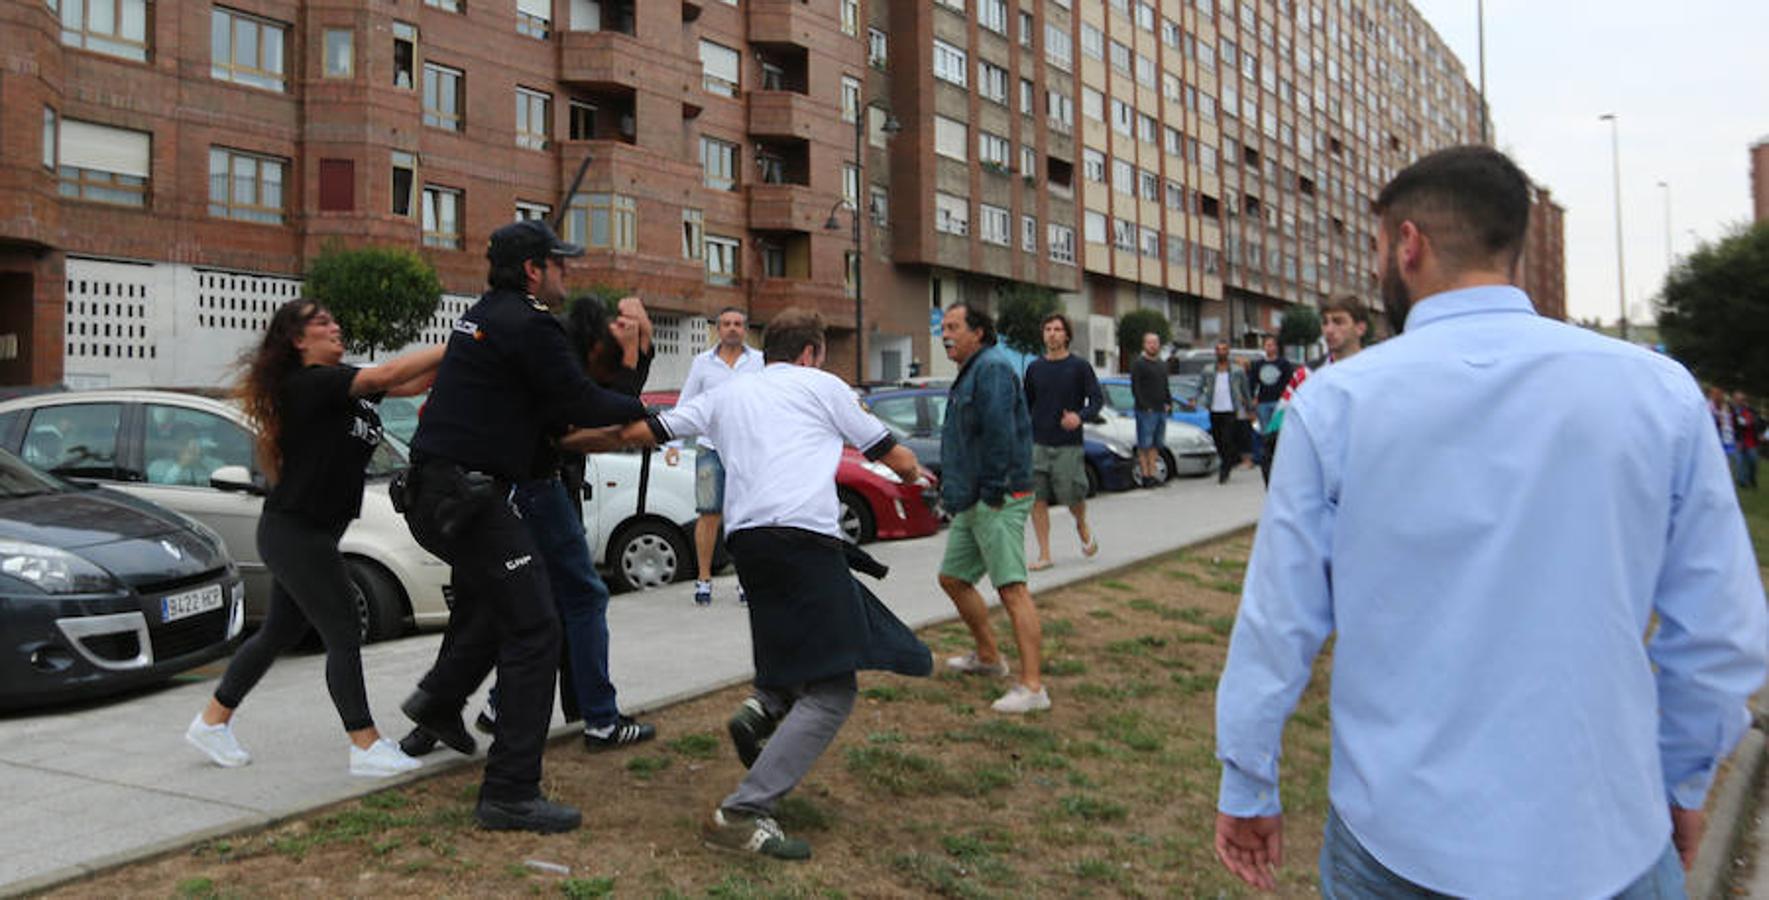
x,y
1054,387
327,439
1269,377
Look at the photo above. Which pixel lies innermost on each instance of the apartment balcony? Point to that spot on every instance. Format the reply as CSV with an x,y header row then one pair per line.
x,y
785,22
788,114
769,296
787,207
616,59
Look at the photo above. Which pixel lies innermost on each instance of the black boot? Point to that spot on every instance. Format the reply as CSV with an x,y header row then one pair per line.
x,y
443,723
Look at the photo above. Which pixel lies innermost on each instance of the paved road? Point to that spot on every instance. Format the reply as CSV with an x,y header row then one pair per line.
x,y
86,788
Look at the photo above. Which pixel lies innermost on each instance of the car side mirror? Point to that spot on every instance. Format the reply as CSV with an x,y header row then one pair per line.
x,y
237,479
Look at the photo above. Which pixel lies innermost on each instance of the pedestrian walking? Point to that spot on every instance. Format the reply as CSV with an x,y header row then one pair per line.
x,y
1344,322
1268,377
709,371
1523,705
812,626
316,427
986,486
1061,393
1153,403
1749,431
1223,391
508,373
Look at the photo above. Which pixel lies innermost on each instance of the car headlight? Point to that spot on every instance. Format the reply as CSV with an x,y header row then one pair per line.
x,y
51,570
882,471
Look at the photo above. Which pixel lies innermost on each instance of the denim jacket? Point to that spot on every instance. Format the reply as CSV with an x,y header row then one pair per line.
x,y
1237,380
986,440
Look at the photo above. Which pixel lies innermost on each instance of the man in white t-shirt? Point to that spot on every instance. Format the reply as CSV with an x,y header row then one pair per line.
x,y
712,369
781,433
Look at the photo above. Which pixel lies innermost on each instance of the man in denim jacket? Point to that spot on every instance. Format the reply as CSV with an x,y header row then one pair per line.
x,y
986,483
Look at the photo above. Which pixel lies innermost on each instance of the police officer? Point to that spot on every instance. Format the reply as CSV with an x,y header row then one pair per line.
x,y
508,370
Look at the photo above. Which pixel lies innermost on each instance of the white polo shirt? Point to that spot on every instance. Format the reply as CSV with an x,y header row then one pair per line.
x,y
708,372
780,435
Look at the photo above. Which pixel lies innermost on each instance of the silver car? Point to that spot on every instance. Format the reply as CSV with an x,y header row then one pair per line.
x,y
192,451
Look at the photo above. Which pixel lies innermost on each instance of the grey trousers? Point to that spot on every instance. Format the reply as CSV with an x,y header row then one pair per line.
x,y
814,713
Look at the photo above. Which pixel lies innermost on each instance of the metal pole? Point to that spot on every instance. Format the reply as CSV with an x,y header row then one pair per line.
x,y
1669,256
1480,15
1615,153
859,257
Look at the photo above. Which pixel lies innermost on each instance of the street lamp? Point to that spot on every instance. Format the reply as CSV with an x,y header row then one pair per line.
x,y
1669,256
890,126
1615,153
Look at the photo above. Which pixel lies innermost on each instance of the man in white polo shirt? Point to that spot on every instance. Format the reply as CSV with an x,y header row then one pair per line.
x,y
812,625
711,369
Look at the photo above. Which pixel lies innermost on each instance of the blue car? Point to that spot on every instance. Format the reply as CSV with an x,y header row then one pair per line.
x,y
1180,387
915,415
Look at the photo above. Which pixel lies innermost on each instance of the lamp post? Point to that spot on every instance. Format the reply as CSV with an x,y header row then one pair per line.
x,y
1615,153
890,126
1669,256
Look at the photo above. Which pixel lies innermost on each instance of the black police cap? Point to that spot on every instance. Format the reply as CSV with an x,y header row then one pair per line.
x,y
528,239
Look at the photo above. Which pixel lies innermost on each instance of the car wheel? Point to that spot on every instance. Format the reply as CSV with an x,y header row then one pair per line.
x,y
857,523
1093,479
1164,467
649,554
380,607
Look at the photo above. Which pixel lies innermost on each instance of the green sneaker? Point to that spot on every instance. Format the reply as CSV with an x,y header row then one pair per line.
x,y
737,832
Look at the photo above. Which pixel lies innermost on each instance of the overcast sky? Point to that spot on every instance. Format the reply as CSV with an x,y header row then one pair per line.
x,y
1689,82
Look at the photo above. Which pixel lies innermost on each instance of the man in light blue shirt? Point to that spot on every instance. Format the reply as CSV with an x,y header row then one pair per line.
x,y
1487,512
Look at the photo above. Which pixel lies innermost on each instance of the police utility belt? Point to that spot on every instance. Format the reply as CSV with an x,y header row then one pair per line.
x,y
458,495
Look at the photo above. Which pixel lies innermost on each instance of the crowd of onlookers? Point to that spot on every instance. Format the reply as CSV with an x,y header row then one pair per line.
x,y
1741,432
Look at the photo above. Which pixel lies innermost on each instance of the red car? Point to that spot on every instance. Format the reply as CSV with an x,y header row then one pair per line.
x,y
875,503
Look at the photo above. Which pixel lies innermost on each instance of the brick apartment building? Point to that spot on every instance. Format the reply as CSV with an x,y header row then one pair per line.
x,y
168,169
1760,181
1543,274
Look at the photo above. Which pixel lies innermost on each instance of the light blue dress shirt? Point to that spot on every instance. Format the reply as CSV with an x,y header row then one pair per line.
x,y
1487,512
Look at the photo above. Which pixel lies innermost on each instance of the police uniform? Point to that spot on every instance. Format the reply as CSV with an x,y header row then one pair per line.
x,y
508,371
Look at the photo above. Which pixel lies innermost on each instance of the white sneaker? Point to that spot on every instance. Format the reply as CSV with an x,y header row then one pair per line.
x,y
1021,699
381,759
971,665
217,741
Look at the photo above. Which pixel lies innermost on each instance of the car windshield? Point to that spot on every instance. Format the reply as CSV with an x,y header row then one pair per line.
x,y
18,479
1183,386
399,416
390,456
1118,396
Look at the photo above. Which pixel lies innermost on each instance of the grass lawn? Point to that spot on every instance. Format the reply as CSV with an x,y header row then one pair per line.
x,y
926,791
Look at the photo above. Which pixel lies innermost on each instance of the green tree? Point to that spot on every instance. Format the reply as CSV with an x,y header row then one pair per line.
x,y
1021,313
1133,325
1302,326
1715,311
382,297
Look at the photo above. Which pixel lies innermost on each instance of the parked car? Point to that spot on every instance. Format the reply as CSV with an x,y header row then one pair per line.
x,y
917,414
1187,449
191,451
101,592
875,503
1116,390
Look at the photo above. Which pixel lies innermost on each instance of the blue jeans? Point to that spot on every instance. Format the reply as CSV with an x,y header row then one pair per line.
x,y
1151,428
1745,467
582,598
1349,872
709,482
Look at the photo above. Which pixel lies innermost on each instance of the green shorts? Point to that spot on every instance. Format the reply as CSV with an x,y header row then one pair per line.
x,y
1059,474
984,541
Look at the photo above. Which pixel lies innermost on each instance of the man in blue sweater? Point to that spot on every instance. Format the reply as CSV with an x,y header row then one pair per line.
x,y
1061,392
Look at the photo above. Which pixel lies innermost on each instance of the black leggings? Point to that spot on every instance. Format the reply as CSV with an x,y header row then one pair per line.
x,y
311,588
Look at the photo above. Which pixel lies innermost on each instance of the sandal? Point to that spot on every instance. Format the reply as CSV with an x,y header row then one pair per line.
x,y
1090,548
1039,565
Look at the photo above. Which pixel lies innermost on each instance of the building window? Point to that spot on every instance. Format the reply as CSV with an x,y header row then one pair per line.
x,y
1028,160
603,221
583,120
1123,118
1058,49
1151,242
951,214
1150,183
1093,42
879,204
950,138
1062,111
718,64
850,17
1093,104
1029,234
1062,243
443,98
877,48
1094,227
1028,98
1123,177
693,234
453,6
721,259
992,82
442,217
850,99
340,53
405,54
1027,26
851,185
404,181
245,49
850,273
992,150
952,4
534,116
1120,56
773,258
718,162
49,131
532,212
992,14
111,27
534,18
103,164
1093,165
1124,235
245,186
949,63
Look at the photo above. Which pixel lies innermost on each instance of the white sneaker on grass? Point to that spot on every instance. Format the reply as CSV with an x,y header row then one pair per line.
x,y
218,742
971,665
382,759
1021,699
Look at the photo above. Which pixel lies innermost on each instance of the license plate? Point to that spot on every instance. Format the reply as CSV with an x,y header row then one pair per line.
x,y
180,606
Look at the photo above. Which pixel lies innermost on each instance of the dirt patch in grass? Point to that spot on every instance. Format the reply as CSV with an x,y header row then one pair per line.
x,y
925,792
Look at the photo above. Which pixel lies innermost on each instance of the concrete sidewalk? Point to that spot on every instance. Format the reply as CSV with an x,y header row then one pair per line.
x,y
106,783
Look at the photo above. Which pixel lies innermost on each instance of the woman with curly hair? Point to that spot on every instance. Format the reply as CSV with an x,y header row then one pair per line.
x,y
317,427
